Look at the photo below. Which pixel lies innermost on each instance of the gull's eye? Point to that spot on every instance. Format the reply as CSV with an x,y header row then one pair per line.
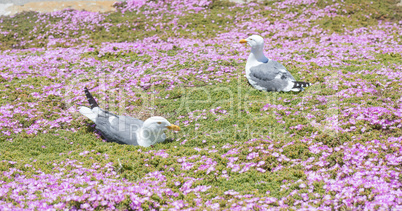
x,y
159,122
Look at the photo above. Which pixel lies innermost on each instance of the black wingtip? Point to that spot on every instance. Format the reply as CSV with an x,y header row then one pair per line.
x,y
91,99
300,85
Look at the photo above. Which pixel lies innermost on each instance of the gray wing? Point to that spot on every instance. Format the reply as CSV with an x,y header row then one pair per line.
x,y
271,76
119,129
279,66
268,71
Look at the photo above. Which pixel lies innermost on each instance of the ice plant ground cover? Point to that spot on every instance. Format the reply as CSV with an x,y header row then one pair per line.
x,y
335,146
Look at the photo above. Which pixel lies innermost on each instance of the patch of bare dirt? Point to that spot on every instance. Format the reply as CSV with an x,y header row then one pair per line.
x,y
50,6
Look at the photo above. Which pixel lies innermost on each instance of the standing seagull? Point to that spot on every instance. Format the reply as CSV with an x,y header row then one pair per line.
x,y
125,129
266,74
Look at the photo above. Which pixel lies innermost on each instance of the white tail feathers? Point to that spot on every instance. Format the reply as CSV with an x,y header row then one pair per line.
x,y
88,113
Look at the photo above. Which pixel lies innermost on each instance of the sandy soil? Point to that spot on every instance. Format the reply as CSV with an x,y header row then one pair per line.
x,y
11,7
50,6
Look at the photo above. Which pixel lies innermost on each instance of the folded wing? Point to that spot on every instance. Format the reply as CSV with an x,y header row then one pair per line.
x,y
271,76
115,128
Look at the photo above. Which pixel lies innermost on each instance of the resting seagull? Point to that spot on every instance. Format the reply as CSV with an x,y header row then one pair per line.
x,y
266,74
125,129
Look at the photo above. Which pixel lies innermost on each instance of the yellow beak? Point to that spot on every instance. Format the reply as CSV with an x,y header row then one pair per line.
x,y
243,41
173,127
